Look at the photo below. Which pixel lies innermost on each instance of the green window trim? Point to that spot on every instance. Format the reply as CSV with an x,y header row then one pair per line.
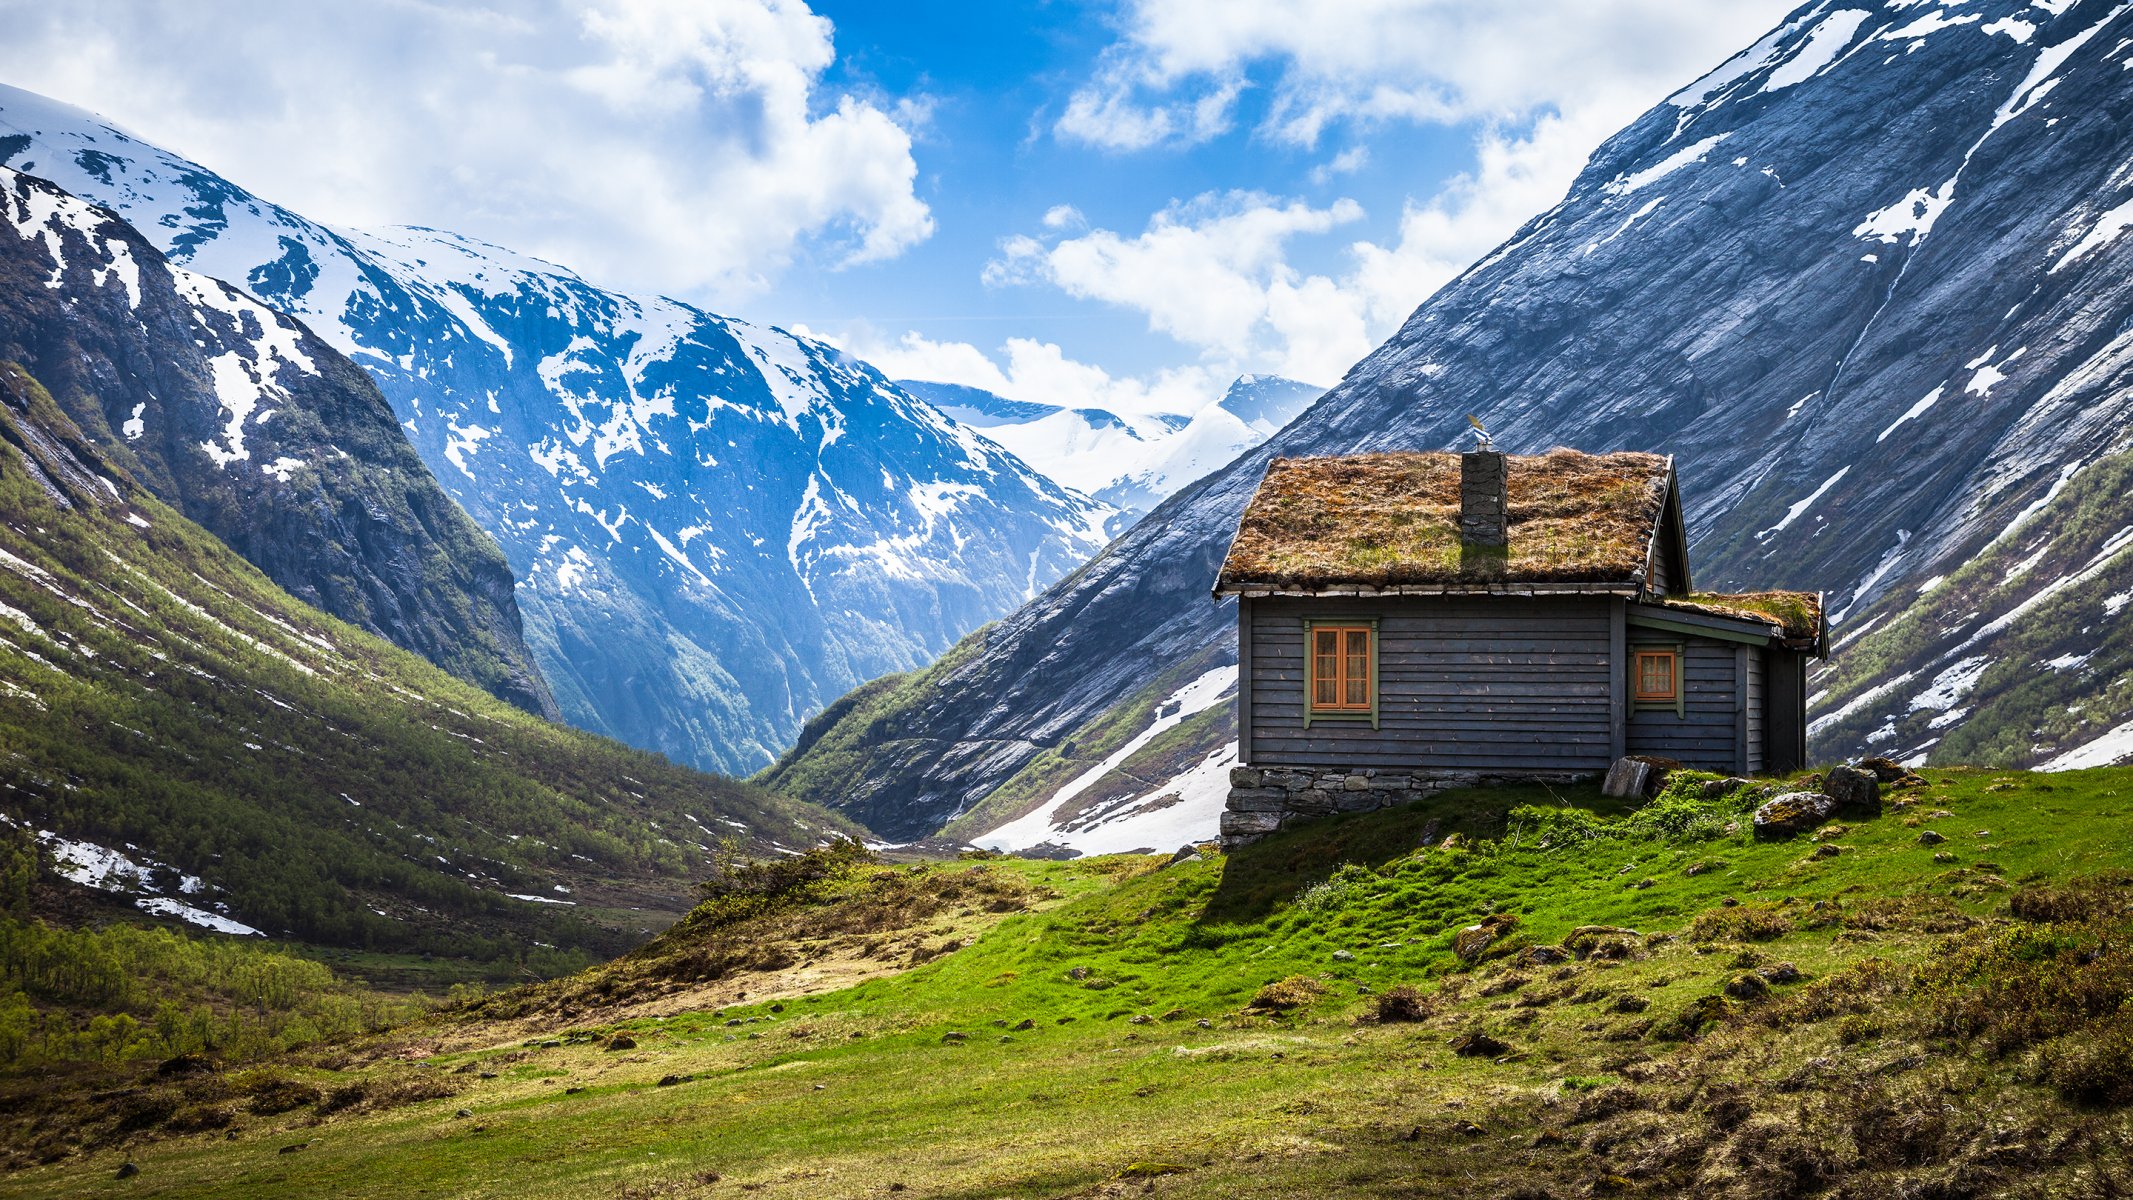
x,y
1679,706
1310,626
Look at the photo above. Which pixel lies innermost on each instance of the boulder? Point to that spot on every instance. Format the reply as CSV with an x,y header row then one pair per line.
x,y
1885,770
1716,788
1792,814
1929,837
1474,941
1854,790
1629,778
621,1041
1542,956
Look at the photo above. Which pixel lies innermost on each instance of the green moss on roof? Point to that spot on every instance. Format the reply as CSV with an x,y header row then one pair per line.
x,y
1797,615
1388,519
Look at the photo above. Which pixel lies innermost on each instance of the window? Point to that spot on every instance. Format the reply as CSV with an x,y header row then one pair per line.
x,y
1658,676
1342,670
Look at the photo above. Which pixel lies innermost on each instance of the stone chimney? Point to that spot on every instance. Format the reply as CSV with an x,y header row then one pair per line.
x,y
1484,500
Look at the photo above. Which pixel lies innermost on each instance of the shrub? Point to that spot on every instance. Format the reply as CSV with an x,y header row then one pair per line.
x,y
2094,1066
1740,923
1404,1002
1294,992
1334,891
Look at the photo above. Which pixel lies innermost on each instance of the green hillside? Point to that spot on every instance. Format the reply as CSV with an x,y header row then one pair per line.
x,y
246,757
1922,1003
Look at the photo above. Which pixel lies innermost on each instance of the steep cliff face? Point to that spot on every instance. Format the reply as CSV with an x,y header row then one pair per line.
x,y
245,421
717,527
1866,280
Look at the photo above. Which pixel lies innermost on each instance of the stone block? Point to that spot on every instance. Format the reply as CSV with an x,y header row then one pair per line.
x,y
1241,824
1792,814
1396,783
1245,777
1356,783
1258,800
1855,791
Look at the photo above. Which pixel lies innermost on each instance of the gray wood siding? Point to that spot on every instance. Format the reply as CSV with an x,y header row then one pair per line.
x,y
1481,683
1666,577
1758,705
1705,734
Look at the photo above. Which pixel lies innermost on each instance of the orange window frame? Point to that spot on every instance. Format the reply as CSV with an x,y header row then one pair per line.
x,y
1342,675
1643,676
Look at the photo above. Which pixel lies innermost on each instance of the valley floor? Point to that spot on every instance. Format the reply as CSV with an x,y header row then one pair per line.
x,y
1515,992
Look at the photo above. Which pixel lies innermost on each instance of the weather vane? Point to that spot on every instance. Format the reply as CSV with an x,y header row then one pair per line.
x,y
1480,431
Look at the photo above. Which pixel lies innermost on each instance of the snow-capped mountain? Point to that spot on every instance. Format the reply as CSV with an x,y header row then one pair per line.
x,y
1868,280
240,418
717,527
1131,462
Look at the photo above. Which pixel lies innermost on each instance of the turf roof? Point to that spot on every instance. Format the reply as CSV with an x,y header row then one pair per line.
x,y
1796,616
1392,519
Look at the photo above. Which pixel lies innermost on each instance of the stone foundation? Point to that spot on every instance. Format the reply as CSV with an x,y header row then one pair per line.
x,y
1264,800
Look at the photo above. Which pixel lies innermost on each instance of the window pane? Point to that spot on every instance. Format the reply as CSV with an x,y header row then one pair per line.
x,y
1655,676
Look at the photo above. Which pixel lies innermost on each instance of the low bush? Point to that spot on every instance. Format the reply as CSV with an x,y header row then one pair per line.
x,y
1294,992
1404,1002
1740,923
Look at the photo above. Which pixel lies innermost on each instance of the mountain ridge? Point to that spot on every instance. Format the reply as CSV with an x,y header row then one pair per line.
x,y
186,737
241,418
1857,198
717,528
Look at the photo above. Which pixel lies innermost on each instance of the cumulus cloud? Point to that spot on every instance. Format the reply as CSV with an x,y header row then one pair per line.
x,y
1036,371
676,144
1539,84
1180,66
1212,273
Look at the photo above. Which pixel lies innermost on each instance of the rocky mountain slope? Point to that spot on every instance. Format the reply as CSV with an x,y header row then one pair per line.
x,y
183,735
1132,463
717,527
243,420
1866,280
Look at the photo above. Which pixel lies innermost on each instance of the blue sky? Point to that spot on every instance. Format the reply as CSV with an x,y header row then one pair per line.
x,y
1120,202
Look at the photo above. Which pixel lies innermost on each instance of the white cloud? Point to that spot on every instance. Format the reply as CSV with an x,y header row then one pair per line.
x,y
1038,372
1539,84
1213,274
1179,68
672,144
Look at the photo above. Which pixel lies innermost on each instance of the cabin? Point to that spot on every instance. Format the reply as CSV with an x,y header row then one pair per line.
x,y
1408,622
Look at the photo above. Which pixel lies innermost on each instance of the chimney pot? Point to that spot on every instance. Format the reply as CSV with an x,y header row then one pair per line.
x,y
1484,498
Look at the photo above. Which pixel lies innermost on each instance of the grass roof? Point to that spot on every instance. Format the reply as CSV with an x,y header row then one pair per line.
x,y
1797,615
1383,520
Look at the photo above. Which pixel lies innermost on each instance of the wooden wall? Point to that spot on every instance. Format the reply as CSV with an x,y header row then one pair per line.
x,y
1758,710
1706,732
1466,683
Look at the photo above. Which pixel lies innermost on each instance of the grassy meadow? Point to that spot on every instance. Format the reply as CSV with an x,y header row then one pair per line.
x,y
1922,1003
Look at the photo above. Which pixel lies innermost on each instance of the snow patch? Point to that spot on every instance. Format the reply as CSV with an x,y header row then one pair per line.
x,y
1799,509
1687,155
163,906
1821,48
1197,696
2109,750
1931,398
